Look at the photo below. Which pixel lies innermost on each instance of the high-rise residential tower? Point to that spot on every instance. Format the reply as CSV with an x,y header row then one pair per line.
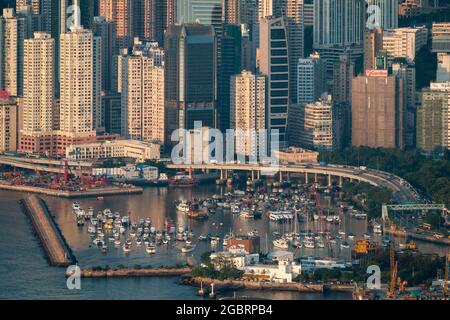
x,y
142,97
39,88
248,106
80,99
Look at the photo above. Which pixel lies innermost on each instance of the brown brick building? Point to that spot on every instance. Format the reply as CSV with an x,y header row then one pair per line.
x,y
377,110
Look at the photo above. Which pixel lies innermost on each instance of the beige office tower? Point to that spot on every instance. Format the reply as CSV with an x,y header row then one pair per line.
x,y
377,110
12,35
247,109
121,12
142,98
10,122
373,44
77,87
294,14
39,76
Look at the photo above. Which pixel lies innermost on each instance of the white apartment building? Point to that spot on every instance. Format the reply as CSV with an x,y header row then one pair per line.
x,y
317,130
142,97
138,150
247,109
80,67
39,74
404,42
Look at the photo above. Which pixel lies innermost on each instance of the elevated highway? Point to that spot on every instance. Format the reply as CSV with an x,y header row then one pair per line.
x,y
402,190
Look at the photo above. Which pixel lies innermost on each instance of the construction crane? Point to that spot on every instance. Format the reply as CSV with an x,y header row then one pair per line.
x,y
394,267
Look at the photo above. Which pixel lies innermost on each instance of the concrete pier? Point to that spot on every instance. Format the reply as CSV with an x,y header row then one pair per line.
x,y
53,242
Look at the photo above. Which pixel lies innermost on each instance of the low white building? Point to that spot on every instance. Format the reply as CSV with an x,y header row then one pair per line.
x,y
310,264
138,150
283,272
235,255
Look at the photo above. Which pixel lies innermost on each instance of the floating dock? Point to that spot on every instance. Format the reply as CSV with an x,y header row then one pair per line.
x,y
55,246
105,191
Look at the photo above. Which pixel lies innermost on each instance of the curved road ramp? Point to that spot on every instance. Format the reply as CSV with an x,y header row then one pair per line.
x,y
51,238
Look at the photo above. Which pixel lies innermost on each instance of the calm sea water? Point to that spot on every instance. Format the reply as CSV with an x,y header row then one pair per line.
x,y
25,273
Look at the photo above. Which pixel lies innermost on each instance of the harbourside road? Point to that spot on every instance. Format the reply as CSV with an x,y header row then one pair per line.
x,y
402,190
55,247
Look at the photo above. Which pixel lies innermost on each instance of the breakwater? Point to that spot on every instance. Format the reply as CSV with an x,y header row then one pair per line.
x,y
134,272
55,247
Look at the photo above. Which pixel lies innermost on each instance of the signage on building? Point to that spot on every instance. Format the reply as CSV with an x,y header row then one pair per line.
x,y
376,73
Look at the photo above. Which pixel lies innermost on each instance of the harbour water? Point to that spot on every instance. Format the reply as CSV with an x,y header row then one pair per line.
x,y
25,274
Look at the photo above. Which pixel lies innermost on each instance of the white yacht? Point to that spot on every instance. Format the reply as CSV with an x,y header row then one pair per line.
x,y
281,244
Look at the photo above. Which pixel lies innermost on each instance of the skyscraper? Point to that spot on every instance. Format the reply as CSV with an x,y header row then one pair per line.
x,y
247,112
122,13
294,13
190,76
230,64
343,73
106,30
142,97
377,110
338,29
432,121
150,19
274,62
78,105
39,88
311,79
12,36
